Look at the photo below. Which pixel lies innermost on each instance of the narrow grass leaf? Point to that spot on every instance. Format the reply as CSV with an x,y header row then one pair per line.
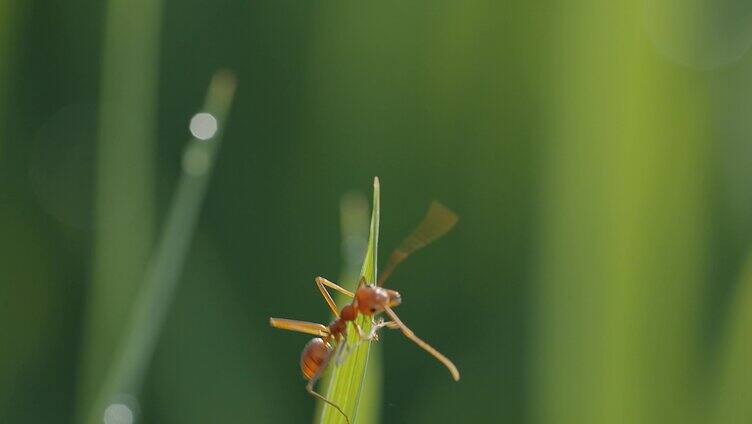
x,y
347,380
354,227
135,348
124,198
623,228
7,36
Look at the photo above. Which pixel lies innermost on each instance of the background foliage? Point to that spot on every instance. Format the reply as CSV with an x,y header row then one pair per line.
x,y
599,155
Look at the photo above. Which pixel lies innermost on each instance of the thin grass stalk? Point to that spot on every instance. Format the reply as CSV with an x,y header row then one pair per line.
x,y
124,197
623,231
7,31
136,346
355,207
354,227
347,380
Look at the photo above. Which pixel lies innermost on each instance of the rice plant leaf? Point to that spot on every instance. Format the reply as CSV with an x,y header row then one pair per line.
x,y
346,381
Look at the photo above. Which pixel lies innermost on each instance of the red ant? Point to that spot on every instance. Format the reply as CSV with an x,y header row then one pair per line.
x,y
368,300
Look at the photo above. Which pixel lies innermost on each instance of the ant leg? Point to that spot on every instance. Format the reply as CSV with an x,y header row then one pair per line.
x,y
309,389
373,334
325,282
349,348
384,324
322,283
343,350
312,328
361,334
388,324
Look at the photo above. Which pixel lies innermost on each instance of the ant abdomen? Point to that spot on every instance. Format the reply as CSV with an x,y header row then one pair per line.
x,y
315,354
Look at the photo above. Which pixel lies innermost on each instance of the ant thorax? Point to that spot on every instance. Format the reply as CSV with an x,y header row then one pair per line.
x,y
337,329
349,312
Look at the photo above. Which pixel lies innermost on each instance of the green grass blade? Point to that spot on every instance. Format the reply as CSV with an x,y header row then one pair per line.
x,y
135,348
354,210
7,35
124,198
623,228
354,218
347,380
733,389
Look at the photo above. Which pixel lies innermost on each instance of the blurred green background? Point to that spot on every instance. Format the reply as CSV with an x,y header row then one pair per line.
x,y
599,155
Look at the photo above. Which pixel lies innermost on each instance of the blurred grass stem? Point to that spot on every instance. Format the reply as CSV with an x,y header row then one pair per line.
x,y
124,198
354,225
347,380
7,33
622,227
136,346
733,388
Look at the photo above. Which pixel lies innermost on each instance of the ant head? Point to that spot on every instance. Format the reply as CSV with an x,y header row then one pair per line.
x,y
371,299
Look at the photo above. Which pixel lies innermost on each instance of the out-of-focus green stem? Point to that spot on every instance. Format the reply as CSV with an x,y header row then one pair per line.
x,y
733,388
347,380
354,209
354,228
623,226
7,30
124,204
136,345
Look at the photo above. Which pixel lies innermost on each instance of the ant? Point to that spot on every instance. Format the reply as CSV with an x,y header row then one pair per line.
x,y
368,300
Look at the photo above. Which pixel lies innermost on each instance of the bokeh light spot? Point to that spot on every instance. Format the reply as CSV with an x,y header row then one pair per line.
x,y
117,413
203,126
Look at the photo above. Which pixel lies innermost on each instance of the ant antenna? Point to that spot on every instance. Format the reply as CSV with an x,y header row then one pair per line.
x,y
435,353
437,222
